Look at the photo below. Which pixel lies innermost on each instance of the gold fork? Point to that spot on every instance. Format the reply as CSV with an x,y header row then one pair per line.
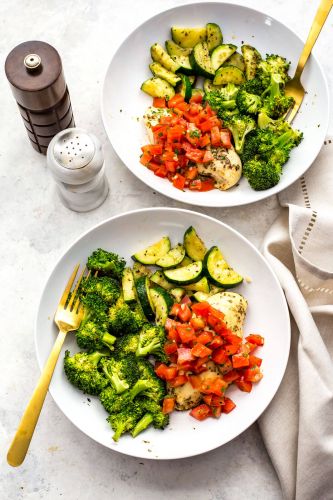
x,y
294,87
68,317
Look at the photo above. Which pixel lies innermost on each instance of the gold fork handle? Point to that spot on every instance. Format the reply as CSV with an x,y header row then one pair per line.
x,y
318,22
20,444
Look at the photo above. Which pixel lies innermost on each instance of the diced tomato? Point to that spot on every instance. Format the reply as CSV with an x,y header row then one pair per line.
x,y
170,323
184,355
186,333
216,400
201,309
204,337
254,360
201,351
175,133
170,348
208,157
198,323
184,313
218,387
207,398
187,366
182,106
214,322
255,339
206,385
252,374
215,137
196,98
161,172
225,138
233,339
171,166
216,313
174,310
145,158
173,335
191,173
159,102
195,185
178,381
153,149
166,373
228,405
168,405
204,140
231,349
243,385
199,364
195,381
206,185
195,155
216,411
216,342
225,367
193,135
179,181
231,376
175,100
186,300
153,166
207,125
201,412
219,356
239,361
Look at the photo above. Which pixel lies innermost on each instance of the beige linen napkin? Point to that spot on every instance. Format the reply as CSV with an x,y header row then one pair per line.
x,y
297,427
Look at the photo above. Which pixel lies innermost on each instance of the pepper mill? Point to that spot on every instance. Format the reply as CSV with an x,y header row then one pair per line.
x,y
35,74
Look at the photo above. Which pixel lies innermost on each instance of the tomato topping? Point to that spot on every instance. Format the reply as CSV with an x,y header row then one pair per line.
x,y
199,365
186,333
201,351
225,367
178,381
216,411
174,311
166,372
228,405
168,405
195,381
219,356
216,342
159,102
179,181
175,100
218,387
225,138
184,313
196,98
204,141
145,158
201,309
200,412
254,360
255,339
153,149
231,376
231,349
239,361
184,355
174,335
243,385
252,374
215,137
170,348
204,337
198,323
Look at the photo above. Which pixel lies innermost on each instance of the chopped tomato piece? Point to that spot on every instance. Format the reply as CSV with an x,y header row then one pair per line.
x,y
166,373
186,333
184,313
208,157
231,376
207,125
179,181
228,406
199,365
198,323
215,137
201,412
161,172
159,102
218,387
225,367
243,385
171,166
216,313
175,134
252,374
178,381
175,100
186,300
195,381
173,335
191,173
239,361
204,141
201,309
201,351
231,338
226,138
231,349
255,339
207,398
182,106
195,155
170,348
216,342
216,411
207,385
254,360
168,405
204,337
196,98
174,310
216,400
145,159
184,355
206,185
153,149
219,356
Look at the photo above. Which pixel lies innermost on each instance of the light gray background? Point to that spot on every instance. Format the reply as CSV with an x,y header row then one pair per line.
x,y
36,229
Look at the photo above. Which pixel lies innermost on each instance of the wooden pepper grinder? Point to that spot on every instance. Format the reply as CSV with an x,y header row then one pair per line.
x,y
34,71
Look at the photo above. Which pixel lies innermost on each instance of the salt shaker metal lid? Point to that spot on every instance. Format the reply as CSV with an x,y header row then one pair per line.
x,y
75,159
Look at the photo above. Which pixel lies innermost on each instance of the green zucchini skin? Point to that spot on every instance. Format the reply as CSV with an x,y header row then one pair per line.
x,y
214,36
159,71
162,302
194,246
157,87
251,59
200,61
218,270
142,290
173,258
187,37
159,55
221,53
185,275
128,286
229,74
151,254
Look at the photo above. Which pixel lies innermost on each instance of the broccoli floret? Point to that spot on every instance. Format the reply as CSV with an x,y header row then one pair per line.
x,y
254,86
250,149
273,64
114,402
248,103
127,344
122,373
155,387
262,175
107,288
276,103
224,98
122,319
106,263
92,335
240,126
153,415
151,341
125,420
82,371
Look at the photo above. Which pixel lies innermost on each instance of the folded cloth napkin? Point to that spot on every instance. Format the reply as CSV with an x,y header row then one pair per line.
x,y
297,427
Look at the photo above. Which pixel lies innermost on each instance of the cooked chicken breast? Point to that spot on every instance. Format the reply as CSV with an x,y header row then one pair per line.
x,y
152,118
234,306
226,168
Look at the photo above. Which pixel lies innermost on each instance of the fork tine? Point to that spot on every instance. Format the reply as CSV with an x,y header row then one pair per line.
x,y
69,285
70,303
293,113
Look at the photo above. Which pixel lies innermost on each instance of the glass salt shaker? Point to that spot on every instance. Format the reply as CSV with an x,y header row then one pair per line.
x,y
75,159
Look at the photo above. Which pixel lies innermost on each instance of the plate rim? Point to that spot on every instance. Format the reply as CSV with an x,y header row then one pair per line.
x,y
165,209
261,195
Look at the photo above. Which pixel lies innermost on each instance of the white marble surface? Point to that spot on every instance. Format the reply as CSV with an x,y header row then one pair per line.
x,y
35,230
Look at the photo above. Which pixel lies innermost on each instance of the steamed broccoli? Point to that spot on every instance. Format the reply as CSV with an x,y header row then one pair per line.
x,y
254,86
122,373
224,98
153,415
276,103
155,387
273,64
82,371
107,288
240,126
123,319
114,402
248,103
151,341
107,263
262,175
125,420
127,344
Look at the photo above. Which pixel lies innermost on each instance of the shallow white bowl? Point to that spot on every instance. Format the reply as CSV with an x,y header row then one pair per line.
x,y
267,314
123,103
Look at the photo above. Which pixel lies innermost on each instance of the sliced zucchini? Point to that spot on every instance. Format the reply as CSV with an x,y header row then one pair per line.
x,y
177,293
151,254
251,60
218,270
198,92
201,296
236,59
176,50
185,262
229,74
200,60
159,278
128,286
158,70
173,258
142,289
140,270
185,87
184,64
215,289
162,303
188,37
158,54
199,286
209,86
156,87
185,275
214,36
221,53
194,246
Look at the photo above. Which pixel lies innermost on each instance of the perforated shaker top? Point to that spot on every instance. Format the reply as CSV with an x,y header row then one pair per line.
x,y
74,149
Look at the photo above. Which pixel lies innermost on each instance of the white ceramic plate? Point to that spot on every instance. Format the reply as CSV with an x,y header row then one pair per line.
x,y
123,103
267,314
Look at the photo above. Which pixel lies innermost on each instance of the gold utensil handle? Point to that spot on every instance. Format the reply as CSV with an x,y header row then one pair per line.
x,y
20,444
318,22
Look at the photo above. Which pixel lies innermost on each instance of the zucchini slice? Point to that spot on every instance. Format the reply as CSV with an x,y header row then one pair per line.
x,y
172,258
158,54
229,74
236,59
176,50
221,54
214,36
162,303
199,286
151,254
177,293
159,278
208,86
186,261
218,271
185,87
128,286
156,87
158,70
251,59
180,56
188,37
201,296
194,246
200,60
185,275
142,289
140,270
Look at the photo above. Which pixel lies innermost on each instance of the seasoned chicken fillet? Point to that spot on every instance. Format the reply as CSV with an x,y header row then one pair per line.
x,y
225,169
234,306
